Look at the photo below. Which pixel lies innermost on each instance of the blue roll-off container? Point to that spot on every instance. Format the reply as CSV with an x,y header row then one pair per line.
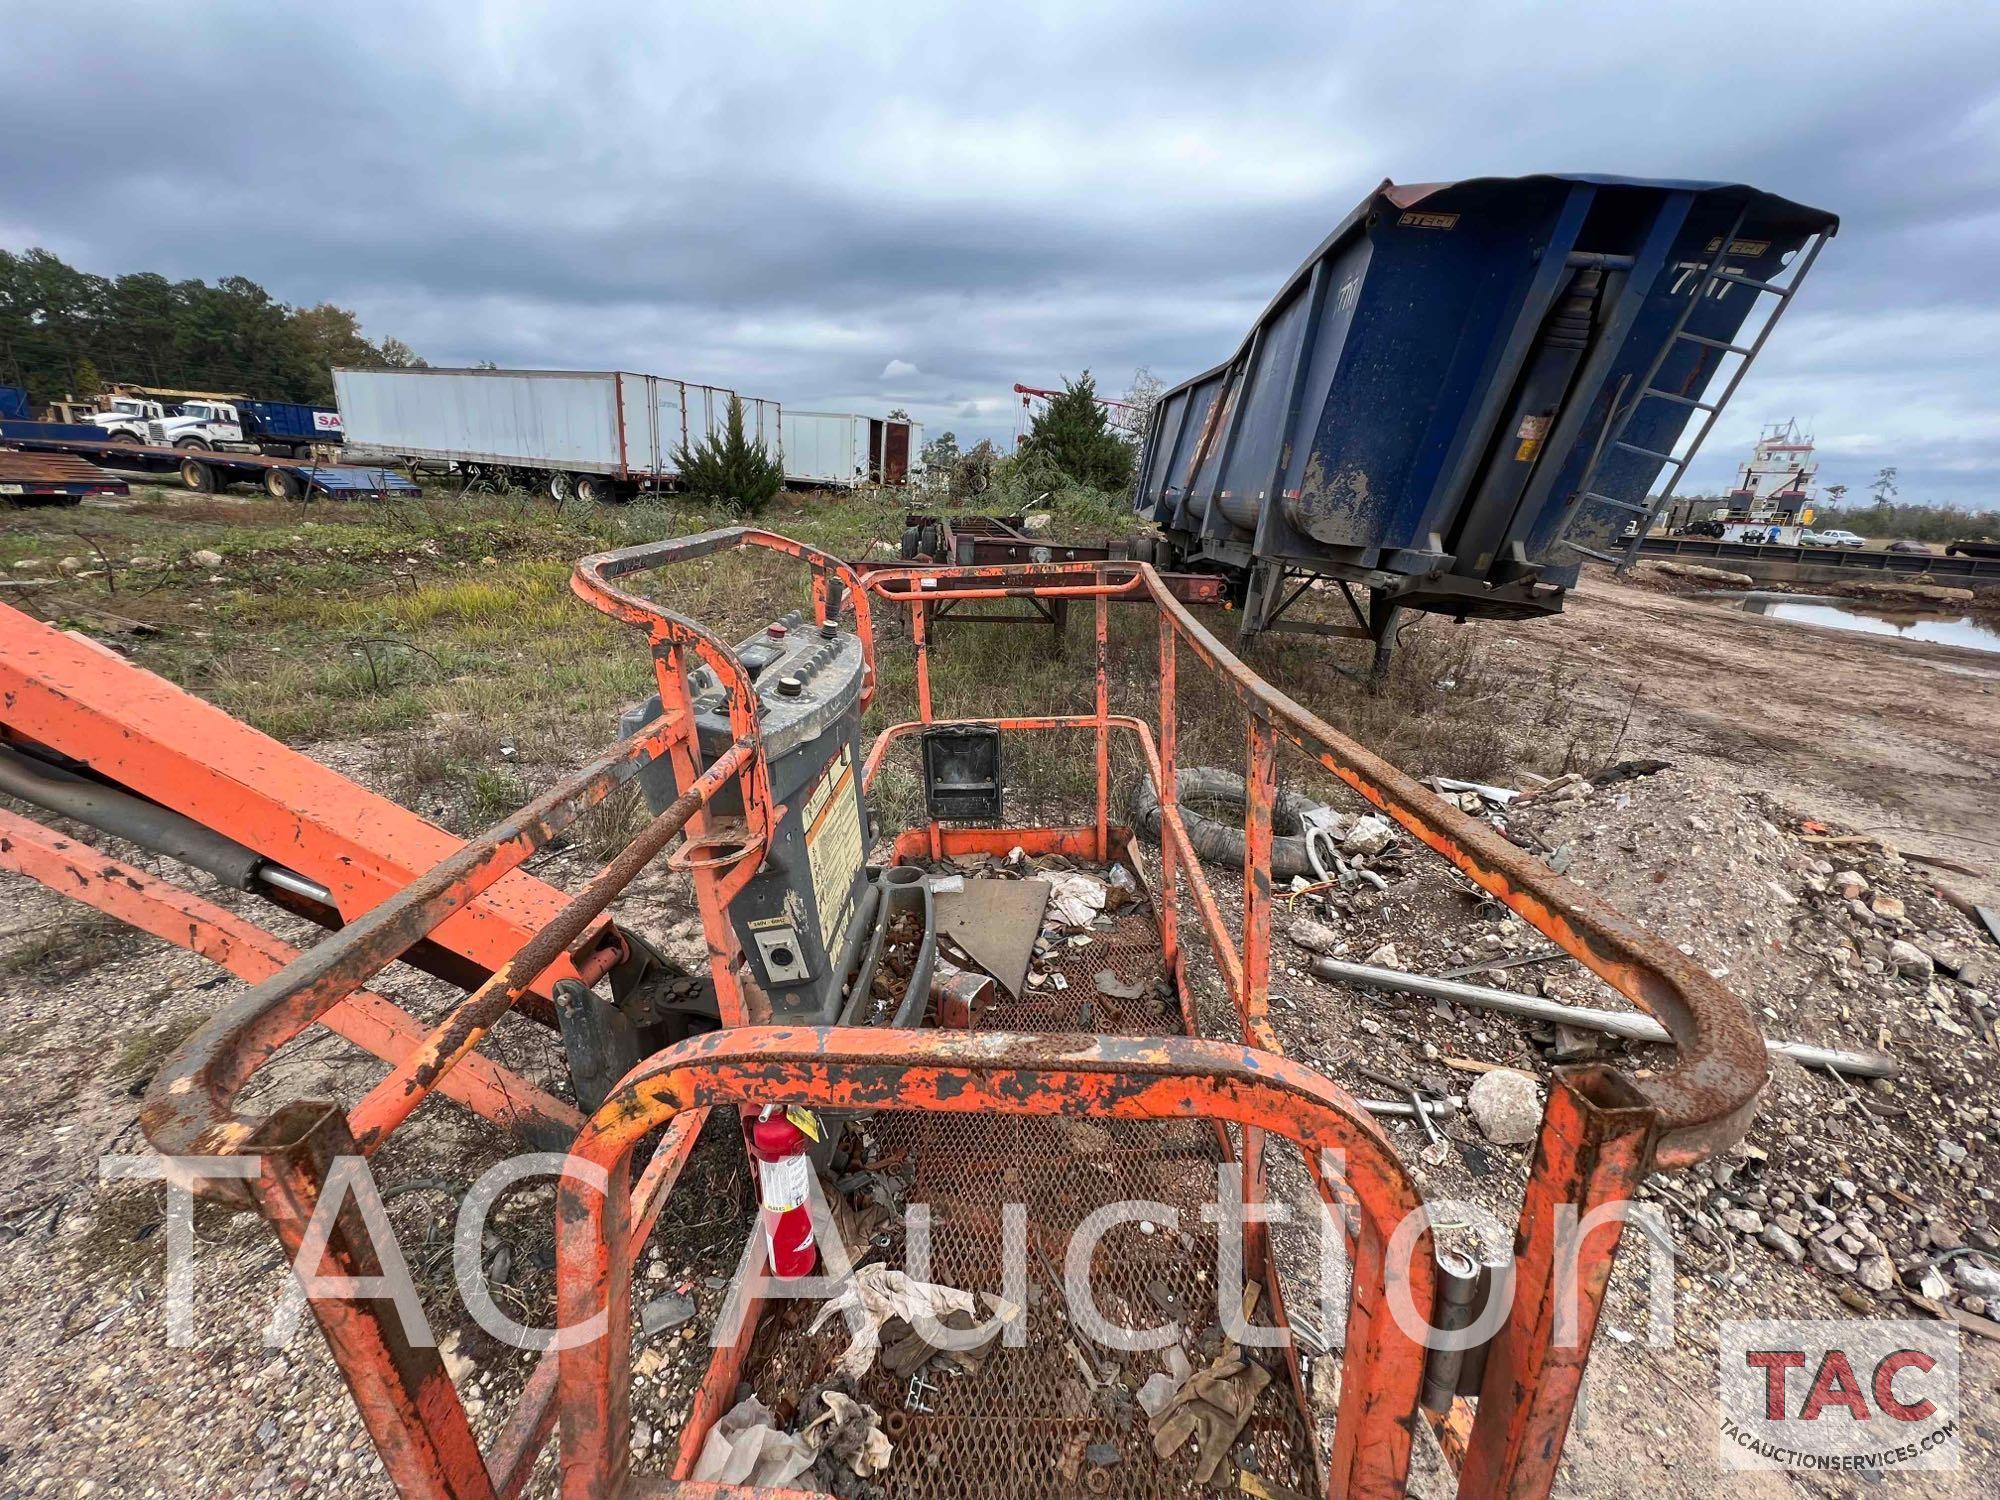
x,y
1467,389
290,422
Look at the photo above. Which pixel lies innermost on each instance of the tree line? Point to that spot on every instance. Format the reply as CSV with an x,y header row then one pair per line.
x,y
1919,523
66,332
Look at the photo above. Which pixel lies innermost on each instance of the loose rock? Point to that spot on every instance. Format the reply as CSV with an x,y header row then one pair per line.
x,y
1508,1106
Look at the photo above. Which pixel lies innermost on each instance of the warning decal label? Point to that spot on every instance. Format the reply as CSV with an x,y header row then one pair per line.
x,y
832,815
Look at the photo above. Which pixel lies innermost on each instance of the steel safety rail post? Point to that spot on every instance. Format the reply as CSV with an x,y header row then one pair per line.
x,y
406,1398
1595,1148
188,1109
1103,736
515,1452
993,1073
1260,793
1167,784
1705,1096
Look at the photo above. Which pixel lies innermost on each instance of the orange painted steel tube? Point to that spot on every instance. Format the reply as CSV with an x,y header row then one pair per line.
x,y
374,1024
391,1101
187,1110
1595,1148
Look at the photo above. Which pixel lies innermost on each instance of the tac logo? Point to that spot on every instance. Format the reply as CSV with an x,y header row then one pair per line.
x,y
1849,1395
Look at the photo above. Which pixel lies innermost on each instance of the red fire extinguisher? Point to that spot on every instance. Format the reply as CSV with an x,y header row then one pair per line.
x,y
779,1140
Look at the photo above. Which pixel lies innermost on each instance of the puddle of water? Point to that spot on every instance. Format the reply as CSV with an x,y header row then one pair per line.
x,y
1945,630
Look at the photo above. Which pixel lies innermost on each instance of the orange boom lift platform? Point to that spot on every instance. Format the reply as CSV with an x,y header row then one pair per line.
x,y
975,1106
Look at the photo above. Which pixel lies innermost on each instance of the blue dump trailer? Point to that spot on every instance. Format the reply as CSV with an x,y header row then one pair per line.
x,y
1466,391
13,404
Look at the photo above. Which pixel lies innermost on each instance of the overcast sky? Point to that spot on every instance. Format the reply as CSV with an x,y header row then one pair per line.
x,y
861,206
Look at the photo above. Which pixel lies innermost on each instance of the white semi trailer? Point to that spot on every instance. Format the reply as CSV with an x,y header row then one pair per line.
x,y
839,450
597,434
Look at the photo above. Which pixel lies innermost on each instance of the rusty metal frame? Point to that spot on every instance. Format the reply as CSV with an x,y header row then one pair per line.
x,y
1000,1074
1602,1131
1703,1099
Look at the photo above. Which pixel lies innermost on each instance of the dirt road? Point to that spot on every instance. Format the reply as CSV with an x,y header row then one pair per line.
x,y
1885,736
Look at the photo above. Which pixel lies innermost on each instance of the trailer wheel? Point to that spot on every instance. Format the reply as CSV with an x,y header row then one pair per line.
x,y
595,489
561,487
198,476
282,484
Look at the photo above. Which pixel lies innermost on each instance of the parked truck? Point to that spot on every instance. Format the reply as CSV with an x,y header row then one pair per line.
x,y
596,434
839,450
283,429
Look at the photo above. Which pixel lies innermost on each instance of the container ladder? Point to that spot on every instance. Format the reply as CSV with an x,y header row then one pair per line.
x,y
1614,438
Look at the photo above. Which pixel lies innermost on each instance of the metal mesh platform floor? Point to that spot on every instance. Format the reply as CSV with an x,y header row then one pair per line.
x,y
1006,1427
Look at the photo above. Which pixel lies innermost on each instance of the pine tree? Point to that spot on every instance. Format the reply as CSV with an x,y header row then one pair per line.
x,y
1071,435
729,469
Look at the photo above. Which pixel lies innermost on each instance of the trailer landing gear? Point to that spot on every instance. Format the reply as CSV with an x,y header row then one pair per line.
x,y
1271,589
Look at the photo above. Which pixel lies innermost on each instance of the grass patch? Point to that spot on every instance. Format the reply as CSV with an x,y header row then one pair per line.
x,y
65,948
143,1051
453,613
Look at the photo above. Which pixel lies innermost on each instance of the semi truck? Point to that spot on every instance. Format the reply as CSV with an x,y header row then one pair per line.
x,y
595,434
283,429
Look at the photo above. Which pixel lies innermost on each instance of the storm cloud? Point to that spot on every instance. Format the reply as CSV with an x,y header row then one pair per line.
x,y
864,206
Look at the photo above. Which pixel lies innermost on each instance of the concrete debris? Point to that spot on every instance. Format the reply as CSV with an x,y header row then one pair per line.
x,y
1507,1104
205,558
1787,1245
1369,836
1385,957
1909,960
1314,937
665,1314
1977,1277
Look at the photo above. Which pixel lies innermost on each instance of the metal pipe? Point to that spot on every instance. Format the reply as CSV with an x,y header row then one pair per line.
x,y
1637,1028
125,815
1457,1308
1404,1109
293,881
